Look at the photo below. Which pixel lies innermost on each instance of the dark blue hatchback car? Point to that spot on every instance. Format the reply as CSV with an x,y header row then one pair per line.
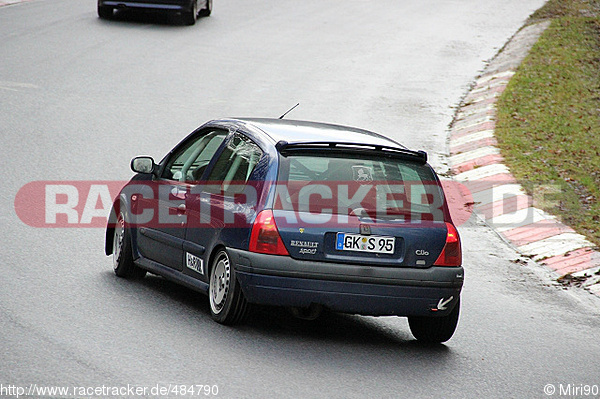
x,y
304,215
188,9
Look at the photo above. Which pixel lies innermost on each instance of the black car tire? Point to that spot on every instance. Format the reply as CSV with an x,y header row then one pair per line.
x,y
189,17
122,254
105,12
206,11
227,303
435,329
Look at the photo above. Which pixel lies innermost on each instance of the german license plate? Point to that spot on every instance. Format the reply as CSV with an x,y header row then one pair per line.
x,y
361,243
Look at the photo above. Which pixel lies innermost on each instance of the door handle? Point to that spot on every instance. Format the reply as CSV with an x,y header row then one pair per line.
x,y
181,209
178,193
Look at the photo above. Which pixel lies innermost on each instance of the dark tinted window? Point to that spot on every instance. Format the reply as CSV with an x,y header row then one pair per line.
x,y
385,186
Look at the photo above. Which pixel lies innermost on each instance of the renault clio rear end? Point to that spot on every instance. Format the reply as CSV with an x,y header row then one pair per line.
x,y
357,227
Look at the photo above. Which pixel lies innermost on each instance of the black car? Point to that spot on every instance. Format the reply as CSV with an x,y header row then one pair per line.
x,y
304,215
188,9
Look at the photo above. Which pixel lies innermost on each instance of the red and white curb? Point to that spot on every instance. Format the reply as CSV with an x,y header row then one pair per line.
x,y
497,198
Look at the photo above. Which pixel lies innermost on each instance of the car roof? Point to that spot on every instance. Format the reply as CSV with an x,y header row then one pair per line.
x,y
293,131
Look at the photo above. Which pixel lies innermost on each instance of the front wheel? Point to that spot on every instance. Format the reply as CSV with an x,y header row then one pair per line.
x,y
227,302
435,329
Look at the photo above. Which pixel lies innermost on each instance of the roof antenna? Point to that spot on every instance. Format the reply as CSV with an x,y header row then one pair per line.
x,y
288,111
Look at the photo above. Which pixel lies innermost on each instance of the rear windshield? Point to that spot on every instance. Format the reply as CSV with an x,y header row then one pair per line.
x,y
380,187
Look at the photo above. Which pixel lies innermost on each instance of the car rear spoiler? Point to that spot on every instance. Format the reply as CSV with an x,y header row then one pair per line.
x,y
419,156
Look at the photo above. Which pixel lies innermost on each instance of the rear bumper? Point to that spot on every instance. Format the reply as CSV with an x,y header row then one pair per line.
x,y
167,5
367,290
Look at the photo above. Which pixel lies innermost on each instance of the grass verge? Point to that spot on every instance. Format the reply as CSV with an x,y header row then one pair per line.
x,y
548,118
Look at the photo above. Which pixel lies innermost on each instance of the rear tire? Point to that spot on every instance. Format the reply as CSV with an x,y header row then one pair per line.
x,y
206,11
105,12
122,254
189,17
227,303
435,330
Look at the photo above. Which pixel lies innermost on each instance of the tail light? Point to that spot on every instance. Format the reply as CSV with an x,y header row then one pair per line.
x,y
451,254
265,237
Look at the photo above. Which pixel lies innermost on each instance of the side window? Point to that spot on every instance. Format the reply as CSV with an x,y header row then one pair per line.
x,y
236,163
189,163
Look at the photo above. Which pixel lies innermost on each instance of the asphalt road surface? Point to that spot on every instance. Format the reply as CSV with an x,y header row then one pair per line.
x,y
80,96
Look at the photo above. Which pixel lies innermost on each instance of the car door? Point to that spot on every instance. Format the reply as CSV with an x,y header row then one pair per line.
x,y
223,203
163,240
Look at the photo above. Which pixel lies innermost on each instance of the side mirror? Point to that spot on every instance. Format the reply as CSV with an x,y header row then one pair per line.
x,y
143,165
